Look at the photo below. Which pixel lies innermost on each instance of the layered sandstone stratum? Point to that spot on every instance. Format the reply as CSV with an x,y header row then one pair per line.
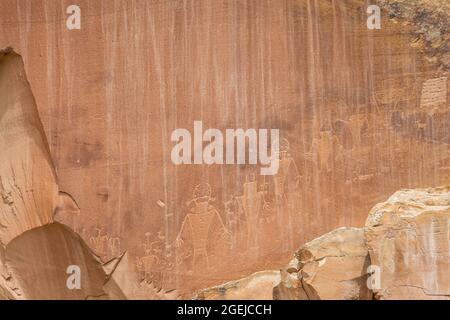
x,y
87,181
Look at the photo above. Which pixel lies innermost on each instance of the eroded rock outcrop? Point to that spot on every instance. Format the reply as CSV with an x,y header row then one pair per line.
x,y
257,286
8,289
28,189
37,255
403,252
290,286
39,261
333,266
408,238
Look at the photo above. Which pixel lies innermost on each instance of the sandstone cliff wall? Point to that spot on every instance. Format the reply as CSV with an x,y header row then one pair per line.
x,y
362,114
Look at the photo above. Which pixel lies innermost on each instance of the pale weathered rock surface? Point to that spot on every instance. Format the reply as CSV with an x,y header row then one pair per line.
x,y
258,286
28,189
8,289
290,286
408,238
333,266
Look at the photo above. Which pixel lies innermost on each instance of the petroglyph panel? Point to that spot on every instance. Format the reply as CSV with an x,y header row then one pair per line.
x,y
434,95
361,113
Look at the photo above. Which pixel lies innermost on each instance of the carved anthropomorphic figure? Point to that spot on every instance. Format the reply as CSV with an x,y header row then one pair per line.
x,y
285,193
252,203
321,150
99,242
202,231
234,220
359,126
149,265
114,247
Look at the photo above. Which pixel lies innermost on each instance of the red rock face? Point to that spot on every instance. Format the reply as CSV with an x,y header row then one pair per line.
x,y
361,114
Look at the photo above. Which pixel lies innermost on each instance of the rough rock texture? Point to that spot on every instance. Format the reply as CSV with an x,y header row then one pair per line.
x,y
331,267
408,237
290,285
430,20
8,289
258,286
362,113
